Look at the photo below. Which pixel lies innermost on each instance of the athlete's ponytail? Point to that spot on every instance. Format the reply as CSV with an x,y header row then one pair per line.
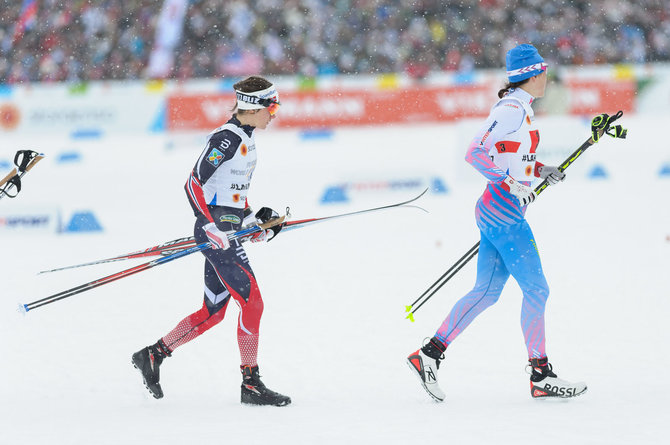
x,y
510,86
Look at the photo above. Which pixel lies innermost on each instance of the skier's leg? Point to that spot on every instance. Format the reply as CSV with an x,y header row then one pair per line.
x,y
522,258
491,278
519,252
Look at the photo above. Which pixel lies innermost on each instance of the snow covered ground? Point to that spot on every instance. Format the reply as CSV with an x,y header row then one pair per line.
x,y
334,336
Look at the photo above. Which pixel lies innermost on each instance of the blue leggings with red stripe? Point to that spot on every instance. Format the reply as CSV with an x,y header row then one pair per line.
x,y
504,251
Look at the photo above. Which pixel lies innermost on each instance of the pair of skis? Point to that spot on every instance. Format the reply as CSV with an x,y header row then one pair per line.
x,y
24,160
176,254
181,247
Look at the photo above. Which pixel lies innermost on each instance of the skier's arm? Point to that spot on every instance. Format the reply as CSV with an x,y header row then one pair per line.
x,y
504,119
220,147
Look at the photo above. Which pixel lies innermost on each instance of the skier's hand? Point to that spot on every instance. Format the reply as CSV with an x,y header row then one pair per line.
x,y
264,215
524,194
552,174
218,238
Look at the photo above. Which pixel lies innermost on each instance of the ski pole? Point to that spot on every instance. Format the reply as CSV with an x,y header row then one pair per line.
x,y
110,278
245,233
24,161
600,125
175,245
462,261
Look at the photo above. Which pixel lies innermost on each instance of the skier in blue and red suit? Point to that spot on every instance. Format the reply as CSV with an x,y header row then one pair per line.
x,y
504,152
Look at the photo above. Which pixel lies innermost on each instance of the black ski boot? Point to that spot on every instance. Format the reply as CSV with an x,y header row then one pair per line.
x,y
148,361
254,392
544,383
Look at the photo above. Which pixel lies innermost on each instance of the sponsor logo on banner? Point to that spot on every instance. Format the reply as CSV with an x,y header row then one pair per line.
x,y
471,101
588,97
325,107
10,116
30,221
217,110
24,221
95,109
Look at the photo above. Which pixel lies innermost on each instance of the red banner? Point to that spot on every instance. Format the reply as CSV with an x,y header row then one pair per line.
x,y
598,96
306,109
314,109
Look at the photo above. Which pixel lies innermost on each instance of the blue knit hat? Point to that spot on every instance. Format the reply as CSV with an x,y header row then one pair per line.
x,y
524,62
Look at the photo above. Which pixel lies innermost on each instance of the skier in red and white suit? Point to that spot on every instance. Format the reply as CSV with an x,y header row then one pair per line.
x,y
217,191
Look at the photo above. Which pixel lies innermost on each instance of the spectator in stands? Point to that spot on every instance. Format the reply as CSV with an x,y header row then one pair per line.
x,y
90,40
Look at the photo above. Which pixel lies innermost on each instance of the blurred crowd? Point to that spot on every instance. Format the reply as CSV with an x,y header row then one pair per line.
x,y
113,39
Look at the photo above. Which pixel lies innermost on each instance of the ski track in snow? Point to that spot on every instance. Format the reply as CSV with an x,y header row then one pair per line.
x,y
333,335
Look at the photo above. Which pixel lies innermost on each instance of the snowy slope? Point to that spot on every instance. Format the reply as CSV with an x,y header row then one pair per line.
x,y
333,335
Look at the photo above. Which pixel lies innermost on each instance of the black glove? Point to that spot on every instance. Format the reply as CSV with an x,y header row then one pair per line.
x,y
603,124
266,214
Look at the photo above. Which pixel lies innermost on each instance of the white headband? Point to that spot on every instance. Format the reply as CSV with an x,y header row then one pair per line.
x,y
256,100
527,69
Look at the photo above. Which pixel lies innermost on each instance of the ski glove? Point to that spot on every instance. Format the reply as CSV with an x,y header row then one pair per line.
x,y
250,220
218,238
524,194
264,215
552,174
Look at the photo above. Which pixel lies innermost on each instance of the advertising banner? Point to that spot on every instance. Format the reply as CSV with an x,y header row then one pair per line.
x,y
587,97
334,108
92,109
305,109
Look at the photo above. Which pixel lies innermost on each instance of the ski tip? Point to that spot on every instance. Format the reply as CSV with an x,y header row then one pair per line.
x,y
408,308
416,207
22,309
410,317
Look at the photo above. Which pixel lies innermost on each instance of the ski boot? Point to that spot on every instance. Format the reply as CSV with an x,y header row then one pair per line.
x,y
254,392
545,384
148,361
425,362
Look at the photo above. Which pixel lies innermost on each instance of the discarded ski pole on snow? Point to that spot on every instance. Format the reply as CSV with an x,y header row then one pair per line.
x,y
601,124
